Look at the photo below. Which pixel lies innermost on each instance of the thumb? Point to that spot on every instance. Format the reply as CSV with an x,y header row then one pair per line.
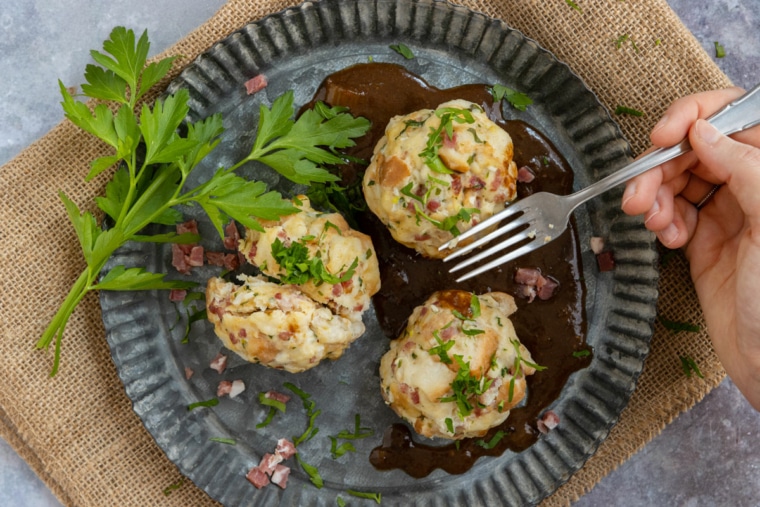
x,y
737,164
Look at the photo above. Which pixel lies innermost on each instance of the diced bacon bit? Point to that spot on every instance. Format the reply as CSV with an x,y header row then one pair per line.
x,y
456,184
226,260
224,388
527,276
256,84
188,373
531,283
449,142
191,226
597,244
525,175
546,288
252,252
547,422
274,395
257,477
285,335
285,448
433,205
606,261
269,462
179,259
231,236
177,295
216,310
195,258
477,183
280,476
219,363
337,290
422,237
270,468
187,256
447,333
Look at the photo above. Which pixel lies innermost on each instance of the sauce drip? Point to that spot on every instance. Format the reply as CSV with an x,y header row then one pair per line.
x,y
552,330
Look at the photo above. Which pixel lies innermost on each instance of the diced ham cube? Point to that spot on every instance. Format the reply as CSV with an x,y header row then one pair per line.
x,y
191,226
527,276
178,259
546,288
195,258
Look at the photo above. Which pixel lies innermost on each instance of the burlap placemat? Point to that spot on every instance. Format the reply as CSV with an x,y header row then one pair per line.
x,y
78,431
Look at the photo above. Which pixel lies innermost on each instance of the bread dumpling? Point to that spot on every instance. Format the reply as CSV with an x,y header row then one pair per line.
x,y
436,173
458,368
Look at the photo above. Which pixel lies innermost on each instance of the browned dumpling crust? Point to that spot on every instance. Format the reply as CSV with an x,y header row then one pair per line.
x,y
458,368
277,325
436,172
344,253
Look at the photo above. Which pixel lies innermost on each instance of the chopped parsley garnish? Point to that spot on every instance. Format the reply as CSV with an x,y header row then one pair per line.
x,y
208,403
311,412
441,350
377,497
340,502
359,432
720,51
449,424
676,326
690,366
449,223
191,318
581,353
403,50
519,100
574,5
448,116
628,110
493,442
311,471
228,441
300,268
176,485
465,386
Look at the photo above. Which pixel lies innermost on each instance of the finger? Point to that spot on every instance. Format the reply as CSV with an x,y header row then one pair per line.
x,y
674,126
661,213
680,231
696,189
736,163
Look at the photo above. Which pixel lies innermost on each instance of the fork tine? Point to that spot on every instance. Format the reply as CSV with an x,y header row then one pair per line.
x,y
500,231
485,224
510,241
501,260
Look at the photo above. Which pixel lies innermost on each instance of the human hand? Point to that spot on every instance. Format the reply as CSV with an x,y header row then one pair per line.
x,y
722,239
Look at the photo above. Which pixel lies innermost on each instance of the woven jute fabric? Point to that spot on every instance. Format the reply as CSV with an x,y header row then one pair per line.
x,y
78,431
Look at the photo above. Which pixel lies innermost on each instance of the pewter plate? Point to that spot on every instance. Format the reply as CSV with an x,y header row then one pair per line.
x,y
296,49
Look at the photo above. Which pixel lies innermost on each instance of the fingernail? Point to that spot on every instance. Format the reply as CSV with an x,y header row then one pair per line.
x,y
630,192
660,124
707,132
668,235
652,212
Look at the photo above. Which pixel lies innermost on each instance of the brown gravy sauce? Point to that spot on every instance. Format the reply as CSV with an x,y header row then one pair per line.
x,y
552,330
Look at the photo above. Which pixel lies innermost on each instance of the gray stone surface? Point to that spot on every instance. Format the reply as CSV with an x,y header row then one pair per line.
x,y
709,456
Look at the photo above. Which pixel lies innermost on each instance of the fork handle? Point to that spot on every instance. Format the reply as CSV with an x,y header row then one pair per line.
x,y
741,114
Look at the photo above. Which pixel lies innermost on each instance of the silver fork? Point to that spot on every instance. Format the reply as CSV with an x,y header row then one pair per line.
x,y
540,218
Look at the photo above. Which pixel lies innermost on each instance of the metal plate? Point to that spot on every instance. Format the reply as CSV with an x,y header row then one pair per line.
x,y
296,49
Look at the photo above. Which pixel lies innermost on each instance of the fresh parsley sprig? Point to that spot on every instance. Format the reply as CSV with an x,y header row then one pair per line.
x,y
156,157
